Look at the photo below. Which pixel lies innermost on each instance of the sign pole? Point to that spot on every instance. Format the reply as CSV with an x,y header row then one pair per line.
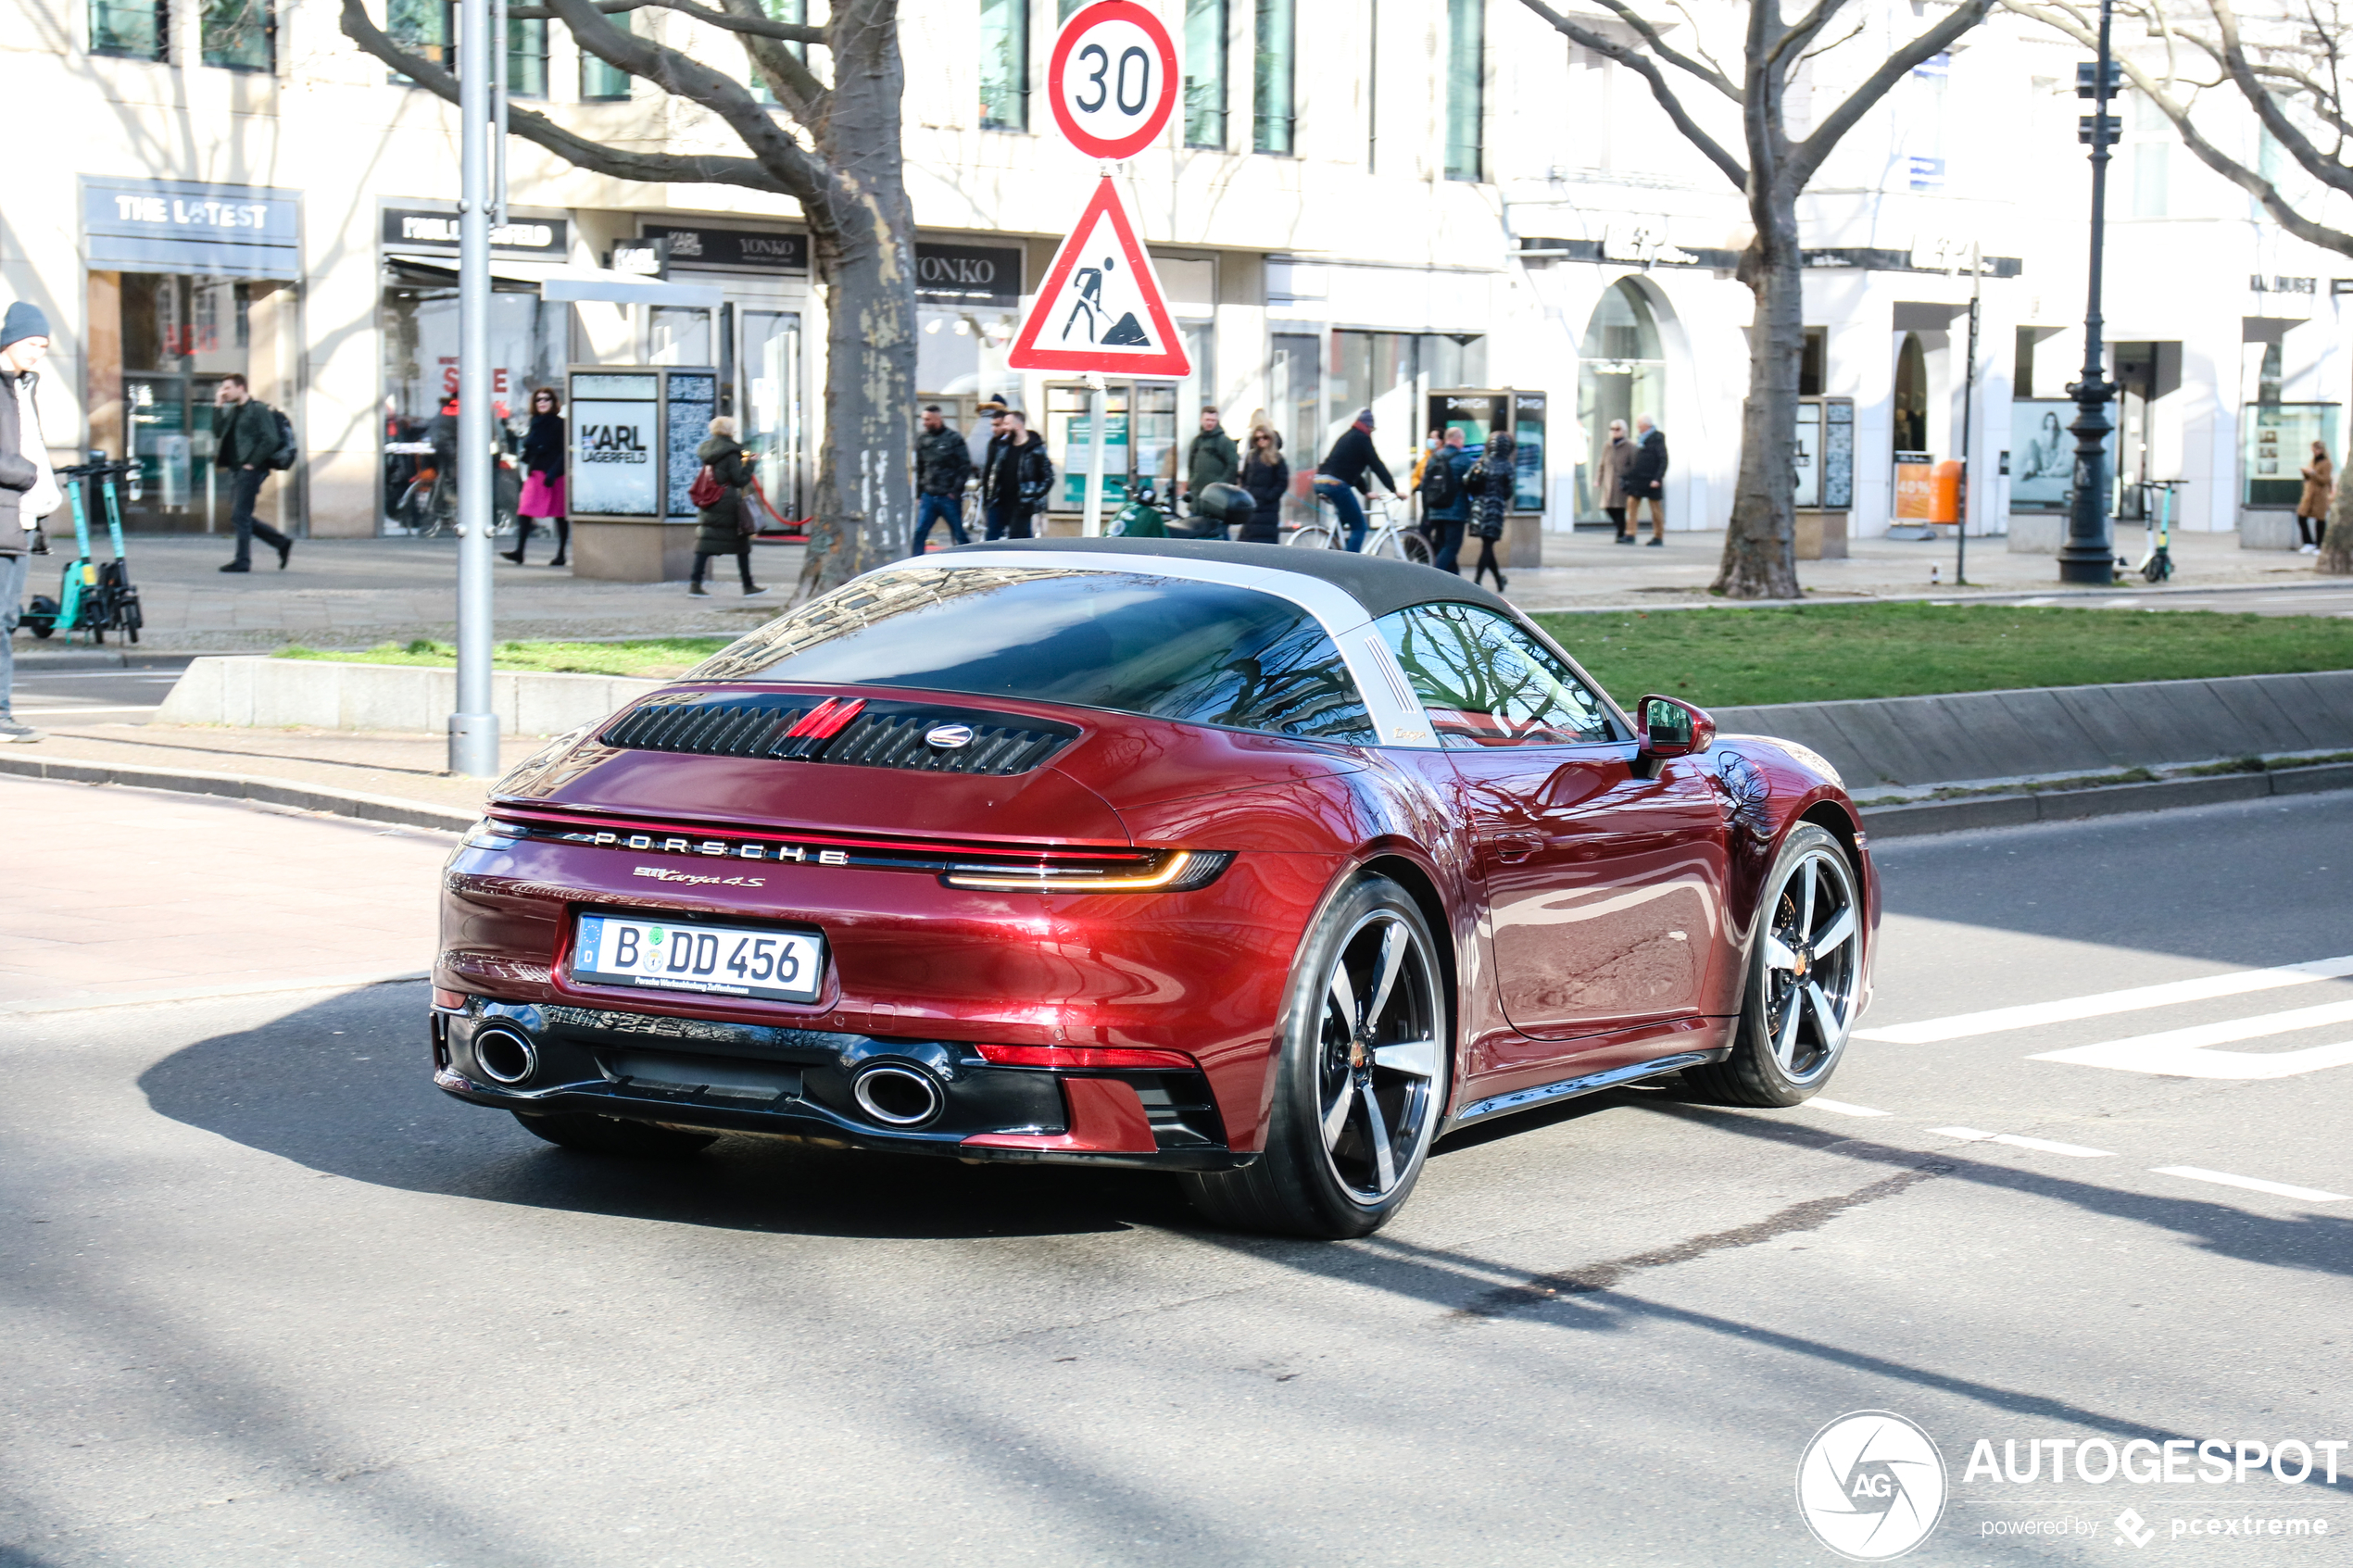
x,y
473,728
1096,403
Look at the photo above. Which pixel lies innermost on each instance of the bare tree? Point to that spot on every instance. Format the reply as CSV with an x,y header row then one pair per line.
x,y
2206,68
1760,557
833,147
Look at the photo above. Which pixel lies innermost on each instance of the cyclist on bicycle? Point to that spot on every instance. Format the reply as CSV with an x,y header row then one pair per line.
x,y
1341,477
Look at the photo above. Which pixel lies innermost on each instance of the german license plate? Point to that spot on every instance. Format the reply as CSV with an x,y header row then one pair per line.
x,y
728,960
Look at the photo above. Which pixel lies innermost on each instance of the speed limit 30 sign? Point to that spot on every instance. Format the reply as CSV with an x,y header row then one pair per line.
x,y
1112,80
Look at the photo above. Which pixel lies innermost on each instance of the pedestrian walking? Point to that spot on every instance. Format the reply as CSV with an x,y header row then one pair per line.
x,y
992,514
1343,475
1267,478
246,442
943,462
2313,506
1019,478
1489,485
1212,458
1646,477
1445,504
543,486
723,524
29,489
1609,478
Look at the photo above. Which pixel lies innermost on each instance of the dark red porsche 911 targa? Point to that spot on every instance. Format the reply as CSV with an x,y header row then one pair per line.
x,y
1265,866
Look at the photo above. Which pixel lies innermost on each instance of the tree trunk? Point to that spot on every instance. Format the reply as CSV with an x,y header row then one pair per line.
x,y
2336,558
863,245
1760,546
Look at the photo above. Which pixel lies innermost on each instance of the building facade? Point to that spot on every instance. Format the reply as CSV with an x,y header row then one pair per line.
x,y
1355,205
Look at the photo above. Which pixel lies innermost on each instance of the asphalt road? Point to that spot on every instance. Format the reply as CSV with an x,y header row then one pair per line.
x,y
89,697
269,1298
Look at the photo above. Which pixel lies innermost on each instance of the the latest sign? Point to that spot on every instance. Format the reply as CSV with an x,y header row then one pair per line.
x,y
182,226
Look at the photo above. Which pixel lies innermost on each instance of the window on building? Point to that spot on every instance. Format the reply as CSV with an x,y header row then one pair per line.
x,y
2022,364
2152,157
1466,87
239,34
1813,362
527,59
1911,395
424,28
136,29
601,79
1382,372
782,11
1004,65
2270,374
1272,76
1204,73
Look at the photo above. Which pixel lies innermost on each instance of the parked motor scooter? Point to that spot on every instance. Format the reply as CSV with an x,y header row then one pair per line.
x,y
93,596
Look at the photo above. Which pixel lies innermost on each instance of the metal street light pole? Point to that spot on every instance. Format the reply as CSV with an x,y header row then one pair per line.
x,y
1968,409
2089,555
473,728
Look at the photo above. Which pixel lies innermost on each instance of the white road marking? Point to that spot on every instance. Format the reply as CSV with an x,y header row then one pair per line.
x,y
1961,1026
2223,1178
2014,1140
127,707
2184,1053
1839,1107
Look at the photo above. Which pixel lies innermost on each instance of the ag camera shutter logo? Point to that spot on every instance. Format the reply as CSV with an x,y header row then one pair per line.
x,y
1872,1486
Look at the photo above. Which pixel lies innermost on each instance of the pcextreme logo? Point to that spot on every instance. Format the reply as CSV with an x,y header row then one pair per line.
x,y
1870,1486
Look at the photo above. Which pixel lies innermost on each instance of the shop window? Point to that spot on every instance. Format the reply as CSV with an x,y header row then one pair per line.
x,y
602,80
1621,375
1004,65
1204,73
1911,395
420,326
179,336
1273,77
794,11
1813,362
527,59
1379,370
135,29
425,29
1466,87
2269,375
239,34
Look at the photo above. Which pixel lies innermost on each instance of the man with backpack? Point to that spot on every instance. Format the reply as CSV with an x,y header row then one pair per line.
x,y
249,439
1446,499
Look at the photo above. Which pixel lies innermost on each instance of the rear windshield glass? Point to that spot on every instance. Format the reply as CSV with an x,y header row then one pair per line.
x,y
1199,652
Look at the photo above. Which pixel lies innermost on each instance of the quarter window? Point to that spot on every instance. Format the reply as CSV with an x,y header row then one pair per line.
x,y
1484,682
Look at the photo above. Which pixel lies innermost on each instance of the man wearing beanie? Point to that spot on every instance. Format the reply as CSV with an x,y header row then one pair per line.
x,y
28,487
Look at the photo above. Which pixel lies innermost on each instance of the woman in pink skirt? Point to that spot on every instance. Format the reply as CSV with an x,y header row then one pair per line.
x,y
543,484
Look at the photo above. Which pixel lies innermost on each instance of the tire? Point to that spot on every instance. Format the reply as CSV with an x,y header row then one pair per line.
x,y
1313,536
606,1135
1379,1084
40,616
1407,545
1804,973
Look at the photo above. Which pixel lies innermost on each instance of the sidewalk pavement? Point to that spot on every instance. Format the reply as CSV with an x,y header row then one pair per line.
x,y
126,895
356,593
393,767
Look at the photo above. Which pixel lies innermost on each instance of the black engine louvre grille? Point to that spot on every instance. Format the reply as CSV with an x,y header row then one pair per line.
x,y
875,733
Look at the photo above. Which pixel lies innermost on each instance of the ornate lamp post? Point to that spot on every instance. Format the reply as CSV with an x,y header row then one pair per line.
x,y
2089,555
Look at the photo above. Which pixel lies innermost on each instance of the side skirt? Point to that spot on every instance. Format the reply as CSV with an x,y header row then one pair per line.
x,y
1569,1088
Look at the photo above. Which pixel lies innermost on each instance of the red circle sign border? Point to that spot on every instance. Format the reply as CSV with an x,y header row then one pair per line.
x,y
1079,24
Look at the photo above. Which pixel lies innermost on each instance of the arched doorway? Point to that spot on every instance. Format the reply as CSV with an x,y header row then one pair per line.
x,y
1621,372
1911,395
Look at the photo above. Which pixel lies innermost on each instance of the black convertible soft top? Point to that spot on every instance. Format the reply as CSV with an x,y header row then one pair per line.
x,y
1380,585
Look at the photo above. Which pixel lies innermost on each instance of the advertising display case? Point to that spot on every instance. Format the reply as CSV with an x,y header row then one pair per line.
x,y
633,434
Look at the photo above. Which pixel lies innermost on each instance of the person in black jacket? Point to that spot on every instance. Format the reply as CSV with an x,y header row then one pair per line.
x,y
1341,477
29,489
1019,478
723,528
1489,485
943,462
1267,478
1646,479
245,435
543,484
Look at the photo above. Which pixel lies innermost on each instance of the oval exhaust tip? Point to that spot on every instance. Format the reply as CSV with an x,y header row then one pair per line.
x,y
505,1054
897,1097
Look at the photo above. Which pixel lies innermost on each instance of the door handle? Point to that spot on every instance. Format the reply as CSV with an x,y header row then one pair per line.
x,y
1511,851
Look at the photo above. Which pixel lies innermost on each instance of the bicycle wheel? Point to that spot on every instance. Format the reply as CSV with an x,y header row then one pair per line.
x,y
1314,536
1395,544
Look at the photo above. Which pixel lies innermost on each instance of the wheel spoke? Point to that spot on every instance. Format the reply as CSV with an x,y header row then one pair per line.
x,y
1842,926
1824,1020
1344,995
1415,1058
1805,910
1778,954
1336,1119
1392,957
1384,1159
1785,1047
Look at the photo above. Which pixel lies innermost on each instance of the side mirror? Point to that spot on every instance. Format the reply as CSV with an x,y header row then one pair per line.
x,y
1673,728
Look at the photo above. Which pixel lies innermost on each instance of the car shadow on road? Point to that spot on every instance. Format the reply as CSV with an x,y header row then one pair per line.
x,y
344,1087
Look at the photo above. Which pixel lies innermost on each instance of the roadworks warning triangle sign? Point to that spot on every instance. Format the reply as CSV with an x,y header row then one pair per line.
x,y
1101,308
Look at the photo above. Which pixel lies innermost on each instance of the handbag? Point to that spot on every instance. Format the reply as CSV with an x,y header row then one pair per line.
x,y
706,491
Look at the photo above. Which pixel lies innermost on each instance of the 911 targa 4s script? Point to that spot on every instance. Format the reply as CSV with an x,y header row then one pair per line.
x,y
1261,866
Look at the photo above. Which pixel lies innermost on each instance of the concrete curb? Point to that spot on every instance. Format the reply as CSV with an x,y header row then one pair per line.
x,y
264,692
2107,800
247,786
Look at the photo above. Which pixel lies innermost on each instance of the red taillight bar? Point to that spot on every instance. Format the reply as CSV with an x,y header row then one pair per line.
x,y
1086,1056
